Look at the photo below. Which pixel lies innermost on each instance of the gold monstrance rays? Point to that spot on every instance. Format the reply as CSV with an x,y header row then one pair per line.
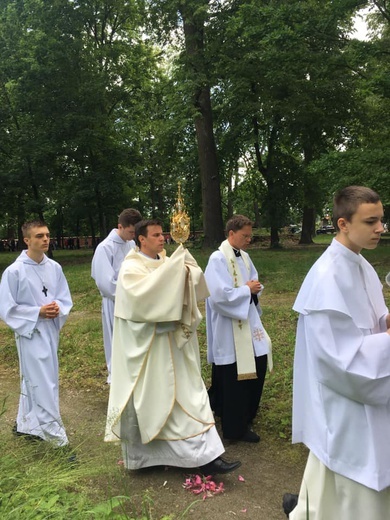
x,y
180,221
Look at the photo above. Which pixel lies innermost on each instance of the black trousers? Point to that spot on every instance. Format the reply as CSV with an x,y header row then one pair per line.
x,y
236,402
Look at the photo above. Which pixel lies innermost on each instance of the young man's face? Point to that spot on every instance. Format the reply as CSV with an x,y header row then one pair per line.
x,y
126,233
365,228
240,239
153,243
38,240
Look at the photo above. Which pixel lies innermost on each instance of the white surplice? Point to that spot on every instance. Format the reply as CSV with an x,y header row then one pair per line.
x,y
21,297
341,402
158,405
227,303
106,263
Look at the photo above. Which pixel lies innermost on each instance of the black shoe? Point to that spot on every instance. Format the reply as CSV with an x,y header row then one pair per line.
x,y
68,453
27,436
289,502
219,465
250,436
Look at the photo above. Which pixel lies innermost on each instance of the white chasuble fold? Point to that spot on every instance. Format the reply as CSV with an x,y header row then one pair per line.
x,y
155,349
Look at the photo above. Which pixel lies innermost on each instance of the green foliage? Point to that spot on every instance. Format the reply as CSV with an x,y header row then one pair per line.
x,y
66,137
98,103
39,486
37,482
285,96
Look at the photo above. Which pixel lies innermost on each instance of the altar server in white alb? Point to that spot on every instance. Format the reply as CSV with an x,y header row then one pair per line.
x,y
35,302
341,402
158,405
106,262
237,343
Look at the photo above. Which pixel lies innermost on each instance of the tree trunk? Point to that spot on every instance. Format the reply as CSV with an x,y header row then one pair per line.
x,y
207,153
209,175
308,224
309,211
256,211
272,199
273,213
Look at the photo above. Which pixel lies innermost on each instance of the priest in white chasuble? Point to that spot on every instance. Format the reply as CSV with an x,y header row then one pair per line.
x,y
35,302
158,406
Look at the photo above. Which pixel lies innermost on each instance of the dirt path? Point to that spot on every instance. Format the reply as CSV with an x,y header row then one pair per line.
x,y
269,468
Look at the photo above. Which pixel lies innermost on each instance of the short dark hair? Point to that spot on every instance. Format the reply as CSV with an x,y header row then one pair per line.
x,y
237,222
129,217
141,228
27,226
347,201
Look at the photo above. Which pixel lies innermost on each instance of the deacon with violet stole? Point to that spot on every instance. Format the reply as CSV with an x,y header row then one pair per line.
x,y
158,405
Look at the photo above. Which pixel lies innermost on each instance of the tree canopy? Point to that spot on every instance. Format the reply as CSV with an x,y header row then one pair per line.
x,y
257,107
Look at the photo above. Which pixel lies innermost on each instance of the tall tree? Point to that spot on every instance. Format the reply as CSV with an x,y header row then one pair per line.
x,y
192,17
281,70
71,71
366,157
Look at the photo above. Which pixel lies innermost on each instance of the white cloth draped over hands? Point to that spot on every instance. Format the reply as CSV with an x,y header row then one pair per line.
x,y
155,348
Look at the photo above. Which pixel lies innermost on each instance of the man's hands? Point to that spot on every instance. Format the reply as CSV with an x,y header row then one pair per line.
x,y
254,286
49,311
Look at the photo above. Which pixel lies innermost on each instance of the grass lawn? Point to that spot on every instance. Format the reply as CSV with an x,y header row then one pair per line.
x,y
81,354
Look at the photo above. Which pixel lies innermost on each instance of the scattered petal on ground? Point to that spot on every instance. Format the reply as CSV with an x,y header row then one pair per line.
x,y
243,510
199,484
241,478
120,462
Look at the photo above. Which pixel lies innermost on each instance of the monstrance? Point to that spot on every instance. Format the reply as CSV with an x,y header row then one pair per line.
x,y
180,221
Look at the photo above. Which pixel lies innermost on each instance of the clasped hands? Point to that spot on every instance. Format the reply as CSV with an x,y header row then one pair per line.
x,y
49,311
254,286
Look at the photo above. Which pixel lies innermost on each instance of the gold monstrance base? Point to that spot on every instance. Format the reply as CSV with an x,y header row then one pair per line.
x,y
180,221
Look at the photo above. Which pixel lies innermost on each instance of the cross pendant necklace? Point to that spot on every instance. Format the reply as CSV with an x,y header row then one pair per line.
x,y
44,288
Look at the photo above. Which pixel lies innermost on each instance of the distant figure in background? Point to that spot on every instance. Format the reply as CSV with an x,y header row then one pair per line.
x,y
106,262
341,401
35,302
237,343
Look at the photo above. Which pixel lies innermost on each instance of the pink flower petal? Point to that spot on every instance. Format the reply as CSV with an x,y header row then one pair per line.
x,y
243,510
198,484
241,478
